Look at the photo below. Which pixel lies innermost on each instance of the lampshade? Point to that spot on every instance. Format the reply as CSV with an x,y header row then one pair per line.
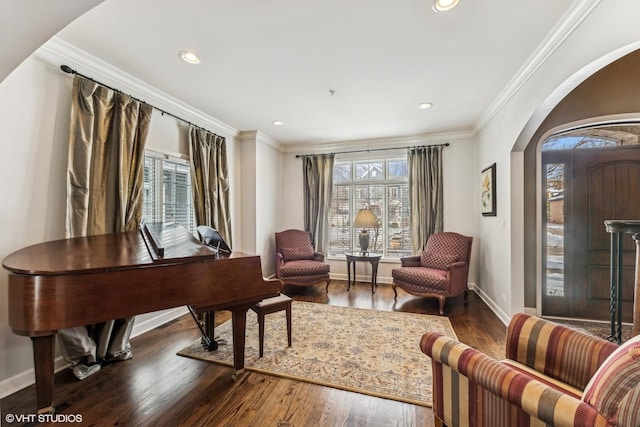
x,y
366,219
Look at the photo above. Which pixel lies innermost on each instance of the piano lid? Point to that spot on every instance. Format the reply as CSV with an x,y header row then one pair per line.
x,y
116,251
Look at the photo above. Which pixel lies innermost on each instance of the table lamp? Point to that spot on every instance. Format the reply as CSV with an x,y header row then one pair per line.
x,y
364,220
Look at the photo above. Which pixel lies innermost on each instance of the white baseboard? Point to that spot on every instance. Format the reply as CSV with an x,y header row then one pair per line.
x,y
366,278
161,318
27,378
504,317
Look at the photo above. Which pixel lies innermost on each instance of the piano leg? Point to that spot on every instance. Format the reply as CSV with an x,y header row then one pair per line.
x,y
43,354
239,319
206,329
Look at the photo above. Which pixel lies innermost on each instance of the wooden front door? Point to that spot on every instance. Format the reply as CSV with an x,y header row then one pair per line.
x,y
600,184
607,186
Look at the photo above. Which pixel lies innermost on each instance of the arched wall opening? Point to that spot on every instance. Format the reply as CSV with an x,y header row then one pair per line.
x,y
608,90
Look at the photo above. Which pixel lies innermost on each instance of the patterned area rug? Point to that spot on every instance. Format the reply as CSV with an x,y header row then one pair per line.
x,y
366,351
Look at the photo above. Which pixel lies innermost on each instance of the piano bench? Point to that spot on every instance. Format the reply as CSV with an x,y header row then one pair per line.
x,y
272,305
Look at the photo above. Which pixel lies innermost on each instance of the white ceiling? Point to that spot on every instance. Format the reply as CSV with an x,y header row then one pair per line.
x,y
279,59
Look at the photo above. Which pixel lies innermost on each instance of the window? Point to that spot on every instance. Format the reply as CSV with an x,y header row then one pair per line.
x,y
380,185
167,190
555,229
615,135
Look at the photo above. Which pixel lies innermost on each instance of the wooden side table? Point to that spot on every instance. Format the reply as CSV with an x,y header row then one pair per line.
x,y
372,258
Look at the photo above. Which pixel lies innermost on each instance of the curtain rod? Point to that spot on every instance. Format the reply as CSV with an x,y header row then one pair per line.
x,y
446,144
70,70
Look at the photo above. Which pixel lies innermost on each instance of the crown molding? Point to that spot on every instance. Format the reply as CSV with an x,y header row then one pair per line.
x,y
58,52
566,25
257,136
373,144
247,135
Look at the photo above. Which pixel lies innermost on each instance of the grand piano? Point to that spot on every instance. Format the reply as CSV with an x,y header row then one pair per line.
x,y
86,280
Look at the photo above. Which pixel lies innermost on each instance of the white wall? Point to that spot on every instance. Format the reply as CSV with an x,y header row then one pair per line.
x,y
262,201
248,192
168,135
588,47
34,124
292,215
269,201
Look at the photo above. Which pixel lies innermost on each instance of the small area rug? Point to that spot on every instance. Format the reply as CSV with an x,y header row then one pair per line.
x,y
599,329
366,351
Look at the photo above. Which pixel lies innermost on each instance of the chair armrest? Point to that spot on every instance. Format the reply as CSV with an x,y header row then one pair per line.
x,y
458,275
279,263
457,266
534,397
560,352
410,261
317,256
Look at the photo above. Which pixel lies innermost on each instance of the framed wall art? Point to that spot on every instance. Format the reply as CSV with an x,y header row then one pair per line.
x,y
489,191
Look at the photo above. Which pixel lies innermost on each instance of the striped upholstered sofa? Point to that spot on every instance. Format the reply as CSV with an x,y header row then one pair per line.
x,y
552,375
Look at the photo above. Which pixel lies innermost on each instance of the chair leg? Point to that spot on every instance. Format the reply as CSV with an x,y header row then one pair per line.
x,y
441,305
466,296
327,288
395,293
437,422
288,311
261,332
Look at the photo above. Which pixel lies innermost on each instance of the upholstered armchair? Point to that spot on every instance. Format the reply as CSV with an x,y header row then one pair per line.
x,y
297,262
552,375
440,271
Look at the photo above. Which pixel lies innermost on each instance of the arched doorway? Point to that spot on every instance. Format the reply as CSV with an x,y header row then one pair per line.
x,y
589,174
604,93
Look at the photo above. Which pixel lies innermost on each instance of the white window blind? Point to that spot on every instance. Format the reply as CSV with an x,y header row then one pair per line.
x,y
167,190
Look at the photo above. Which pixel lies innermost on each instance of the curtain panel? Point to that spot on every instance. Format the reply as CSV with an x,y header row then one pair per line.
x,y
106,160
318,186
210,180
425,194
105,169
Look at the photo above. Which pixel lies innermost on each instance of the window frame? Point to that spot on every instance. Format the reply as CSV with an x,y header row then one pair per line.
x,y
386,182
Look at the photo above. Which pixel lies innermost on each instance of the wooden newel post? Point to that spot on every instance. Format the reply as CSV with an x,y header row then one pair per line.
x,y
617,228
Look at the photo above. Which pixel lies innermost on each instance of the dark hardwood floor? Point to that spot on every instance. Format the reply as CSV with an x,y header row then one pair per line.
x,y
158,388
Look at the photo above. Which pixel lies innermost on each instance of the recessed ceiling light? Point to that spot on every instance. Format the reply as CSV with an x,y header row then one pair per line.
x,y
425,105
190,57
444,5
277,123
